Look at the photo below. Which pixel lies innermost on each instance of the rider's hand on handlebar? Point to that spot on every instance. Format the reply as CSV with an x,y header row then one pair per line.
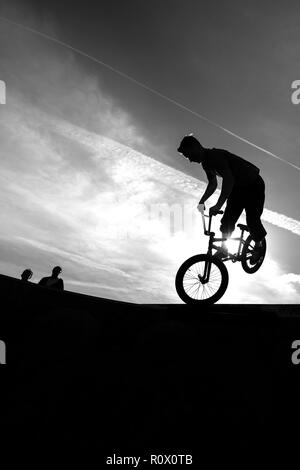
x,y
214,210
201,208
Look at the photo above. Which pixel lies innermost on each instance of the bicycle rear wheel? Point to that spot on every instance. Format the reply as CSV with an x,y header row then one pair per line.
x,y
188,280
247,255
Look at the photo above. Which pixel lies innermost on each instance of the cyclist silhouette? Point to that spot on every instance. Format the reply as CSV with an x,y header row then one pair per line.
x,y
242,188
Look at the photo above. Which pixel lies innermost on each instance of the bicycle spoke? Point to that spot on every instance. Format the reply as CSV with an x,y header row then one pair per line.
x,y
191,287
190,277
198,289
196,292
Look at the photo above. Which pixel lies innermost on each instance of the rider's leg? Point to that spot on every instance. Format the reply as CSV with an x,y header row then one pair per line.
x,y
233,210
254,206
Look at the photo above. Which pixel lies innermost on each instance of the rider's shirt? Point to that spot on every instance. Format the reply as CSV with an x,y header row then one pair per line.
x,y
219,162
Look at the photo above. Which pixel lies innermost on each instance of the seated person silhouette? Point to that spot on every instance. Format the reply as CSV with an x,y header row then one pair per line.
x,y
242,188
26,275
53,281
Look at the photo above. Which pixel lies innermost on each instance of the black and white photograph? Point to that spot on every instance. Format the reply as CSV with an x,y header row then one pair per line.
x,y
149,224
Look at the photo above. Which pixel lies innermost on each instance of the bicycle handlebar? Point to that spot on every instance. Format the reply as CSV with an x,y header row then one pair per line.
x,y
208,215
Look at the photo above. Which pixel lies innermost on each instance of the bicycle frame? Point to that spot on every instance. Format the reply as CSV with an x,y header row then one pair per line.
x,y
212,246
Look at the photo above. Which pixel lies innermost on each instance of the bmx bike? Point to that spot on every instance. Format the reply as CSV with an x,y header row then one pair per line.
x,y
203,278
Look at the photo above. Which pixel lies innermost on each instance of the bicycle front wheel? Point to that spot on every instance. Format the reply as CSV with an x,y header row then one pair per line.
x,y
189,280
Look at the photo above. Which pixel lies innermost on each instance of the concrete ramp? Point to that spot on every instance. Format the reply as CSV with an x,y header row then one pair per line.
x,y
105,378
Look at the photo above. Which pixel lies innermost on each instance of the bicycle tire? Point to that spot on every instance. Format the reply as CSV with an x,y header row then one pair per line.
x,y
187,265
246,255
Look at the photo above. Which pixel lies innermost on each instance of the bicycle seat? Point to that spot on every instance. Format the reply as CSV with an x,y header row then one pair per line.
x,y
243,227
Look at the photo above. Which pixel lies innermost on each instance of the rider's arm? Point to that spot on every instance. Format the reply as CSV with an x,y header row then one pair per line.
x,y
227,184
211,187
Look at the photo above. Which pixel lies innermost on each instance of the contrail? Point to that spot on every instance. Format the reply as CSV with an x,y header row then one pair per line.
x,y
282,221
146,87
159,171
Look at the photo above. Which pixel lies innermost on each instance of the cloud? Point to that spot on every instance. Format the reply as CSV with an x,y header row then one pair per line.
x,y
100,211
270,285
75,192
182,182
49,77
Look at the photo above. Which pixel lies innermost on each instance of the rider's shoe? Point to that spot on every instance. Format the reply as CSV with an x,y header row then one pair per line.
x,y
256,253
221,253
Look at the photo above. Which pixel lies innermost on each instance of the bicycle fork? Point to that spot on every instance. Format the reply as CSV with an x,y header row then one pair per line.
x,y
205,278
207,267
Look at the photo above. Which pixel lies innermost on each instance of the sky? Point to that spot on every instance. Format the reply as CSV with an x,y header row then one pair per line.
x,y
89,169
